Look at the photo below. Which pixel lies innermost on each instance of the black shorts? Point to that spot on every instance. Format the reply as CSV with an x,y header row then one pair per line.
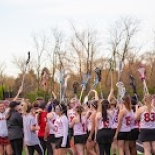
x,y
58,142
70,133
124,136
113,132
51,138
134,134
147,135
80,139
104,136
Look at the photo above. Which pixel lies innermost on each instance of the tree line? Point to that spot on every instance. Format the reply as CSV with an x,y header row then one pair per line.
x,y
81,51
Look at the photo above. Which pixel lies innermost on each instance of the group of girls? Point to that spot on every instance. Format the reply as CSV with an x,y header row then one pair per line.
x,y
97,127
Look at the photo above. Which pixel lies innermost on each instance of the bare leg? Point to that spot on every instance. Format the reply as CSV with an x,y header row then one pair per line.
x,y
8,149
126,148
153,146
79,149
147,148
114,147
91,148
133,149
120,144
1,150
63,151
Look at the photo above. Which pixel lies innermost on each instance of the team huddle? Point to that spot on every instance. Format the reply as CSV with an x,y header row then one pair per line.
x,y
95,127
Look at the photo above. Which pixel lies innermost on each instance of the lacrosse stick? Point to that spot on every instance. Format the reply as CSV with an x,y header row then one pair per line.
x,y
121,91
133,85
111,72
85,79
120,84
96,81
98,73
142,72
44,79
87,96
120,70
61,81
25,67
44,82
64,87
75,87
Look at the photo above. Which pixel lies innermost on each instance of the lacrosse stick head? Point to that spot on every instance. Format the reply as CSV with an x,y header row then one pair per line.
x,y
133,84
66,80
112,65
61,76
75,87
120,67
121,90
96,81
98,73
85,78
142,73
28,58
132,80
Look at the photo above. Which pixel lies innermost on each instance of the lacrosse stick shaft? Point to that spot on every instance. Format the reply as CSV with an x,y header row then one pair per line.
x,y
81,92
111,78
145,87
90,90
23,78
101,91
27,61
60,91
136,97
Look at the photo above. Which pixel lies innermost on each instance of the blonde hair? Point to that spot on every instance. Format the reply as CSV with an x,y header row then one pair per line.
x,y
127,102
25,103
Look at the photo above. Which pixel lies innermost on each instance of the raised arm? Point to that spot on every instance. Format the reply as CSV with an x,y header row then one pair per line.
x,y
18,93
111,95
54,96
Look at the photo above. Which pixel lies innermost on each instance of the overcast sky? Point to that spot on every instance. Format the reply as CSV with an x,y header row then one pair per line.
x,y
19,19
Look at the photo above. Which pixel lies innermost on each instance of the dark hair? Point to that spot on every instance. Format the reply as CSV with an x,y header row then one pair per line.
x,y
29,107
79,110
55,102
133,104
12,106
63,108
105,106
35,105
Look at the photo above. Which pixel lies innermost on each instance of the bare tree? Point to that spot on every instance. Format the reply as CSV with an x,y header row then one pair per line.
x,y
85,45
40,47
19,62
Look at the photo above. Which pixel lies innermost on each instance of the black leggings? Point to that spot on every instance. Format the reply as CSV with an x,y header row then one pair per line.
x,y
49,147
43,143
104,148
38,148
17,146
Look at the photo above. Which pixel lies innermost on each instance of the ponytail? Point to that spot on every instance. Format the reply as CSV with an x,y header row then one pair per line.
x,y
79,110
105,106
